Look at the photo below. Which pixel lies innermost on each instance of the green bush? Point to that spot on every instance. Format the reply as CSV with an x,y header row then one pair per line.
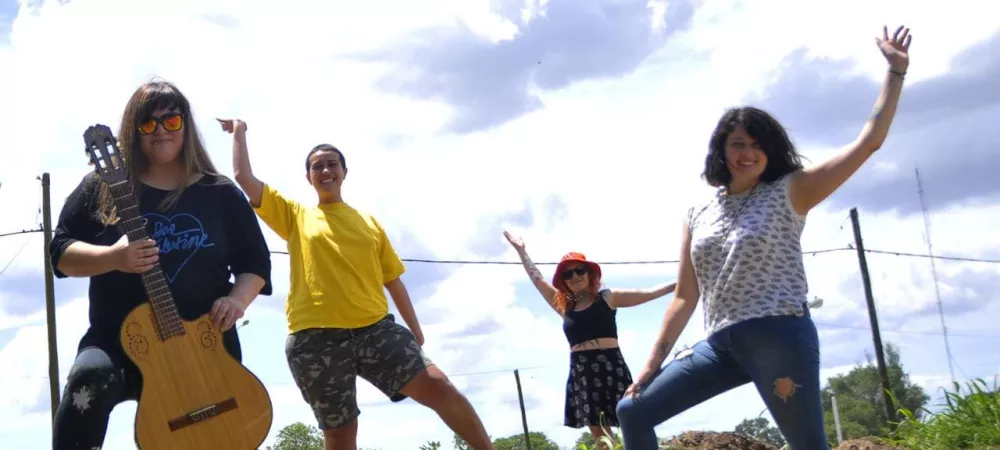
x,y
969,420
605,443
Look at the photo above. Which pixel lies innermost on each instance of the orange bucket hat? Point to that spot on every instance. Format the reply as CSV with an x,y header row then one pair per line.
x,y
572,257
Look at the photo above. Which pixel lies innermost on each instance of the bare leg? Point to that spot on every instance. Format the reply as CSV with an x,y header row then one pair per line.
x,y
341,438
432,389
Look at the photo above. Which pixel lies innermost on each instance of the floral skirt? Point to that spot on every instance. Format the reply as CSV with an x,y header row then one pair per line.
x,y
597,380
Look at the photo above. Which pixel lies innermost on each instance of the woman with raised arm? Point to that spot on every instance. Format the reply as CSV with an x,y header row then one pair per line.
x,y
741,257
338,315
203,232
598,375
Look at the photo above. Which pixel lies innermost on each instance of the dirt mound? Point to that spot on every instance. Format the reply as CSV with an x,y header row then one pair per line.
x,y
711,440
866,444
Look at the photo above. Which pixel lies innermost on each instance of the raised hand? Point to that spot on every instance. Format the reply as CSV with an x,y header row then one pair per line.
x,y
895,49
515,241
232,125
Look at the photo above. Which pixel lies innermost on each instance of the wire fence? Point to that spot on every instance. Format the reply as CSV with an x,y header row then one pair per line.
x,y
552,372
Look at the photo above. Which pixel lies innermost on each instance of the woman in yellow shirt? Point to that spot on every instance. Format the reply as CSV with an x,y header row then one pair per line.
x,y
338,315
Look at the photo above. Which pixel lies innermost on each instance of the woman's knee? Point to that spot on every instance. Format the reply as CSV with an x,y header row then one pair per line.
x,y
94,387
629,412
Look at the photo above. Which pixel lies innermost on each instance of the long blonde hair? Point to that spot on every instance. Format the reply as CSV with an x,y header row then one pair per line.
x,y
149,97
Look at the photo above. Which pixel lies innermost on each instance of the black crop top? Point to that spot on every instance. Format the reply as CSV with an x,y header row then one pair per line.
x,y
593,322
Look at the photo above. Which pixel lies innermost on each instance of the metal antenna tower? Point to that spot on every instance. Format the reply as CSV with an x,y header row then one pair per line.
x,y
937,290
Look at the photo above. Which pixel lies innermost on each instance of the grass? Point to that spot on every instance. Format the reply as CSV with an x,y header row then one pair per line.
x,y
604,442
968,419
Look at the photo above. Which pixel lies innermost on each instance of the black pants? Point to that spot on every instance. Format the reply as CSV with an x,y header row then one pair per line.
x,y
96,384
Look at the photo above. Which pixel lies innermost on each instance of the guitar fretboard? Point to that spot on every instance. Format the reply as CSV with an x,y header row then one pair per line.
x,y
165,312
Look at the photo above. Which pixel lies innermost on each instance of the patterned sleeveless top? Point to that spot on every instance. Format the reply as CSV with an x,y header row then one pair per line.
x,y
747,255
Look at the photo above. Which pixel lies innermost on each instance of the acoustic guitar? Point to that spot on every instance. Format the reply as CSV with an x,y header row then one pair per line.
x,y
195,395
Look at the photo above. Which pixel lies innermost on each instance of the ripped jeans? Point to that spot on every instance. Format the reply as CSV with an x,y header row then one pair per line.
x,y
779,354
96,384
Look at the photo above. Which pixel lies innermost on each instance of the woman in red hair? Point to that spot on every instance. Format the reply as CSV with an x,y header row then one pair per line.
x,y
598,375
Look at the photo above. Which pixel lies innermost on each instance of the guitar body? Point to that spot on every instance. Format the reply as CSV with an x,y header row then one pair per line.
x,y
195,395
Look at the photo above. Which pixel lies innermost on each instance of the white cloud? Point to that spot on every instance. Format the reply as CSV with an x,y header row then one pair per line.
x,y
621,156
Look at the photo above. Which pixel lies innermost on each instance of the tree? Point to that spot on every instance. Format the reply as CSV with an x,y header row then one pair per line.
x,y
860,401
539,441
460,443
431,445
298,436
586,440
760,429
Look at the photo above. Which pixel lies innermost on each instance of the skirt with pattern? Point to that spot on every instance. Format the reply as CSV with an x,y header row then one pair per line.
x,y
597,380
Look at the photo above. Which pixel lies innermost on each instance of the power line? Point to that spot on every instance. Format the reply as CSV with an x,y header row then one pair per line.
x,y
15,233
491,372
636,262
925,333
674,261
552,263
16,254
923,255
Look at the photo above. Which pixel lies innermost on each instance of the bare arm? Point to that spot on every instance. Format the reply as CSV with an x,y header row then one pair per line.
x,y
815,184
544,287
624,298
680,309
246,288
243,172
397,290
81,259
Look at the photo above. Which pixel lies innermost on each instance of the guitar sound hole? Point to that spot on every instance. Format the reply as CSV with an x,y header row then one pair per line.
x,y
208,339
138,346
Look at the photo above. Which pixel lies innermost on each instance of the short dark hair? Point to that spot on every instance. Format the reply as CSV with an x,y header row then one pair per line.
x,y
326,148
782,158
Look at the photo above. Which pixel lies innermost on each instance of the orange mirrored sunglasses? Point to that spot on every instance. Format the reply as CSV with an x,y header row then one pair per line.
x,y
170,122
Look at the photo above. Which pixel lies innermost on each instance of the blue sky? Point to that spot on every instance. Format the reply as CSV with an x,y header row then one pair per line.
x,y
581,125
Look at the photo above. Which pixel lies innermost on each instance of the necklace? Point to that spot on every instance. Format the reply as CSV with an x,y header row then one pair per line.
x,y
732,223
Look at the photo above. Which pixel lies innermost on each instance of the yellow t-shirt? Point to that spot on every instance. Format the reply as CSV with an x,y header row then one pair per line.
x,y
340,262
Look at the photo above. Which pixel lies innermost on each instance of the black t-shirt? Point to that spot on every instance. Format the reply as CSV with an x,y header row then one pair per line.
x,y
208,235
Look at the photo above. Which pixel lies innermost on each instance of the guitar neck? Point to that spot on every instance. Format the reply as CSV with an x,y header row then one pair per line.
x,y
153,281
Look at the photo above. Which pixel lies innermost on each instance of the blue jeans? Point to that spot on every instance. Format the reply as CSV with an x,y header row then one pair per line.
x,y
779,354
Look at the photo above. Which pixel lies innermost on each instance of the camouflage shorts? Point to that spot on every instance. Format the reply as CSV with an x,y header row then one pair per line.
x,y
325,363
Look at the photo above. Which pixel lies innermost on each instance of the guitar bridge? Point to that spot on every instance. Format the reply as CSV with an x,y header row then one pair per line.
x,y
202,414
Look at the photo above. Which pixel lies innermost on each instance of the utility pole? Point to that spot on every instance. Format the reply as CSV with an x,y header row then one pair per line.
x,y
937,290
836,420
524,417
50,296
870,299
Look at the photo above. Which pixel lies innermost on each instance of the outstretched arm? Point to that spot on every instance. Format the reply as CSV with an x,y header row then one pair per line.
x,y
815,184
253,187
624,298
544,287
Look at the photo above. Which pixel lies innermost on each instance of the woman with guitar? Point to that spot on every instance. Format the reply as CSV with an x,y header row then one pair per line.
x,y
203,231
338,315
